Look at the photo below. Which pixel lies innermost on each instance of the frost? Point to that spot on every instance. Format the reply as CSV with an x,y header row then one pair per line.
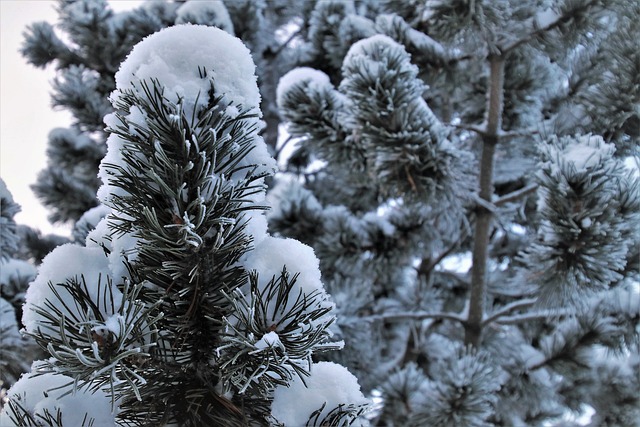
x,y
380,222
69,261
39,394
329,383
5,193
286,195
73,137
306,75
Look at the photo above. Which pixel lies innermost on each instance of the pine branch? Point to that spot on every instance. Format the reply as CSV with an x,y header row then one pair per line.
x,y
284,144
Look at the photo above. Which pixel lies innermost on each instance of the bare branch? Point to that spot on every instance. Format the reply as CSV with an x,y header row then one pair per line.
x,y
418,315
536,315
284,144
491,207
508,309
512,197
457,277
473,128
280,48
504,136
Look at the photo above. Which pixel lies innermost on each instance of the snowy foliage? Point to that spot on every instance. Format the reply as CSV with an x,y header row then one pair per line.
x,y
589,204
8,208
417,127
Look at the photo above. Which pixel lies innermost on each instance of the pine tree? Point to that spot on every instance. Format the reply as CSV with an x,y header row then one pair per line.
x,y
430,132
181,309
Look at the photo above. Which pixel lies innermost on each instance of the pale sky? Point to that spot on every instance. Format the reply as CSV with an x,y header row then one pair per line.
x,y
26,116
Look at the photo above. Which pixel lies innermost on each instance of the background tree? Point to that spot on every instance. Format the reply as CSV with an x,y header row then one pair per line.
x,y
16,352
434,132
181,309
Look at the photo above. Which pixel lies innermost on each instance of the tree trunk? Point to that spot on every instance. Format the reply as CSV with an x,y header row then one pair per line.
x,y
490,138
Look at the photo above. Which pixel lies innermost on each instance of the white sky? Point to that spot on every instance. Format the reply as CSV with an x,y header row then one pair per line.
x,y
26,116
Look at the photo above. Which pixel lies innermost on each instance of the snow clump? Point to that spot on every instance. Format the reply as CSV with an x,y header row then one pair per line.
x,y
329,384
43,395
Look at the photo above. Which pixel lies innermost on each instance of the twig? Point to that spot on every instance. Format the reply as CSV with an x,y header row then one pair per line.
x,y
473,128
511,197
284,144
491,207
508,309
434,263
514,134
519,318
390,317
286,42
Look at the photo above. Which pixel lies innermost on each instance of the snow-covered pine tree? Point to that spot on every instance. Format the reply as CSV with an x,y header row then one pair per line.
x,y
181,309
433,132
87,45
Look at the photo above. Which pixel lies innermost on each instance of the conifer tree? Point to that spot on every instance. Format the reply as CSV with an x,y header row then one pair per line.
x,y
430,132
181,309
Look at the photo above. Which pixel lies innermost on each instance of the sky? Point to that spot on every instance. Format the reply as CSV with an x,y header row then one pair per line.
x,y
26,116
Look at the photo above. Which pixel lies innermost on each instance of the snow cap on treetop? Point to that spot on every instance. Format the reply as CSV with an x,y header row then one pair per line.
x,y
300,75
173,56
186,62
364,46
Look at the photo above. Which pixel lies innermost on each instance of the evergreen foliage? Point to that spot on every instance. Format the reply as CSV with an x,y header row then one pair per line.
x,y
499,132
